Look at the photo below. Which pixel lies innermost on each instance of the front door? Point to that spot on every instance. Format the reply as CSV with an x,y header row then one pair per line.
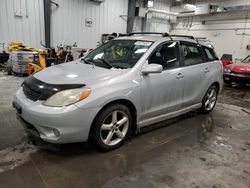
x,y
162,92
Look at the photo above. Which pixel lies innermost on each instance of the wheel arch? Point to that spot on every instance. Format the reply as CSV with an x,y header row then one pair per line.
x,y
124,102
217,85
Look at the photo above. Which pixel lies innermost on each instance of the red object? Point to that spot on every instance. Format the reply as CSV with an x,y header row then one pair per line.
x,y
225,62
237,72
239,67
226,59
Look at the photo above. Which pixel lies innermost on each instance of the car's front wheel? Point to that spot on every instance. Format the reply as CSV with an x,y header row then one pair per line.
x,y
111,128
209,100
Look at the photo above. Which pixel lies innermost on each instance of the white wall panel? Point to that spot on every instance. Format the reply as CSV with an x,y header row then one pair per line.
x,y
158,22
68,21
224,30
28,27
159,25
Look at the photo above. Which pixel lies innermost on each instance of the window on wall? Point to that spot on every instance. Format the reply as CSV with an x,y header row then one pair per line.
x,y
211,56
165,55
192,54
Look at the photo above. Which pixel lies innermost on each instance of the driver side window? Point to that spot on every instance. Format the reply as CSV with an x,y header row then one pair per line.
x,y
165,55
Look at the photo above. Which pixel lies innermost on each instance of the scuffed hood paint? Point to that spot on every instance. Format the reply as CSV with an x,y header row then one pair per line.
x,y
76,72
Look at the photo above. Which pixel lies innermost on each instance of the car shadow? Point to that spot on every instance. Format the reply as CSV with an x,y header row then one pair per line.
x,y
173,126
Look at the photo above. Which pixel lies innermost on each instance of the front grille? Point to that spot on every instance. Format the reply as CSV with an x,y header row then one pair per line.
x,y
242,74
31,94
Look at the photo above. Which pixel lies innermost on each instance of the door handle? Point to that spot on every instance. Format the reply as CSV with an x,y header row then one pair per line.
x,y
206,70
179,76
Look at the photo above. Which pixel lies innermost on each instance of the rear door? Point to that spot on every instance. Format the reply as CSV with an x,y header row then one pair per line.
x,y
162,92
195,73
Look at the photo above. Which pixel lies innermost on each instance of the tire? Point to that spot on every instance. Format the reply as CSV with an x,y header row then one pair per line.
x,y
9,70
209,100
107,133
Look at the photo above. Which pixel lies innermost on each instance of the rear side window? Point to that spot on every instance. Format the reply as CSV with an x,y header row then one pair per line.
x,y
211,56
192,53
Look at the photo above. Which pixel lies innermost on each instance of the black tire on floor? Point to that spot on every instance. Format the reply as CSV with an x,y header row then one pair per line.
x,y
204,109
9,70
95,133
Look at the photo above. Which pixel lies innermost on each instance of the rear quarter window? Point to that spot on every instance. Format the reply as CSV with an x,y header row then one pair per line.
x,y
210,54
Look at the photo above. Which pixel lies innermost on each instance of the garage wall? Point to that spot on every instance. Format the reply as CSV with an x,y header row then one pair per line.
x,y
225,30
156,22
68,21
160,22
22,20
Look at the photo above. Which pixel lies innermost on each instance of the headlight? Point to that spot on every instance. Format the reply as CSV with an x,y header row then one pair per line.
x,y
67,97
226,70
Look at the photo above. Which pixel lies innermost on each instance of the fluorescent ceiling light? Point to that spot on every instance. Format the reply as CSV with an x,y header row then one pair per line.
x,y
189,6
150,4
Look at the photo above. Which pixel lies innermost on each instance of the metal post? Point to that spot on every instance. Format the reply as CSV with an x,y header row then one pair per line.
x,y
144,20
47,16
131,15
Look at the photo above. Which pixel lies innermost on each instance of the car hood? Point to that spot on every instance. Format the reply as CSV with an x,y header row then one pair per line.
x,y
239,67
75,72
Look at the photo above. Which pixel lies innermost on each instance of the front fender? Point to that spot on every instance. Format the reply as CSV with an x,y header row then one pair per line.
x,y
101,96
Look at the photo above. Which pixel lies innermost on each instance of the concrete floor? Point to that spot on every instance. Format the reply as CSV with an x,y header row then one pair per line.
x,y
193,151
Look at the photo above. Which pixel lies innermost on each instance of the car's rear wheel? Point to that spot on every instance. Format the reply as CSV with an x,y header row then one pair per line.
x,y
111,128
209,100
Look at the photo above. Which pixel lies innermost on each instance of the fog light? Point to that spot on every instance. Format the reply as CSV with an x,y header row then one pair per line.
x,y
56,132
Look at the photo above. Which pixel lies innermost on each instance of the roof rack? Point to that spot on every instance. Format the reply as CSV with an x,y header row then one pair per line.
x,y
147,33
151,33
197,39
204,40
201,38
167,35
184,36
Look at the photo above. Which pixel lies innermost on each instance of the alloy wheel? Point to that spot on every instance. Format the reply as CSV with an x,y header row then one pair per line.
x,y
210,100
114,128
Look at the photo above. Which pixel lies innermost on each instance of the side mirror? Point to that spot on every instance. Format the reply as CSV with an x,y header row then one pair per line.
x,y
152,68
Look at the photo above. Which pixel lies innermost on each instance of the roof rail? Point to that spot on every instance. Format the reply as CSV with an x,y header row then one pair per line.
x,y
204,40
151,33
184,36
201,38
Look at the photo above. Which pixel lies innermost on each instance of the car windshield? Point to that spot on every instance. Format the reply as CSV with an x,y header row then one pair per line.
x,y
246,60
118,54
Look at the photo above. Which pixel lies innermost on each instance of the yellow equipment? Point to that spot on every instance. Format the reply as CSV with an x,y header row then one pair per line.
x,y
18,46
42,63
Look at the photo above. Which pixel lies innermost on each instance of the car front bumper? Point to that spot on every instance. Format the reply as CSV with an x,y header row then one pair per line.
x,y
54,124
237,77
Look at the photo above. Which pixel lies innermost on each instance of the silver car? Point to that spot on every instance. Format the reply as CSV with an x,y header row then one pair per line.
x,y
124,85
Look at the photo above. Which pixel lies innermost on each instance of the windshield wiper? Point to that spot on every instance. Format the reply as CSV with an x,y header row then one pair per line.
x,y
105,62
97,62
88,62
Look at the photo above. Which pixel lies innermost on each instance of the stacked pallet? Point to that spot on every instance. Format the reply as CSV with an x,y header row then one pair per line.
x,y
20,60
